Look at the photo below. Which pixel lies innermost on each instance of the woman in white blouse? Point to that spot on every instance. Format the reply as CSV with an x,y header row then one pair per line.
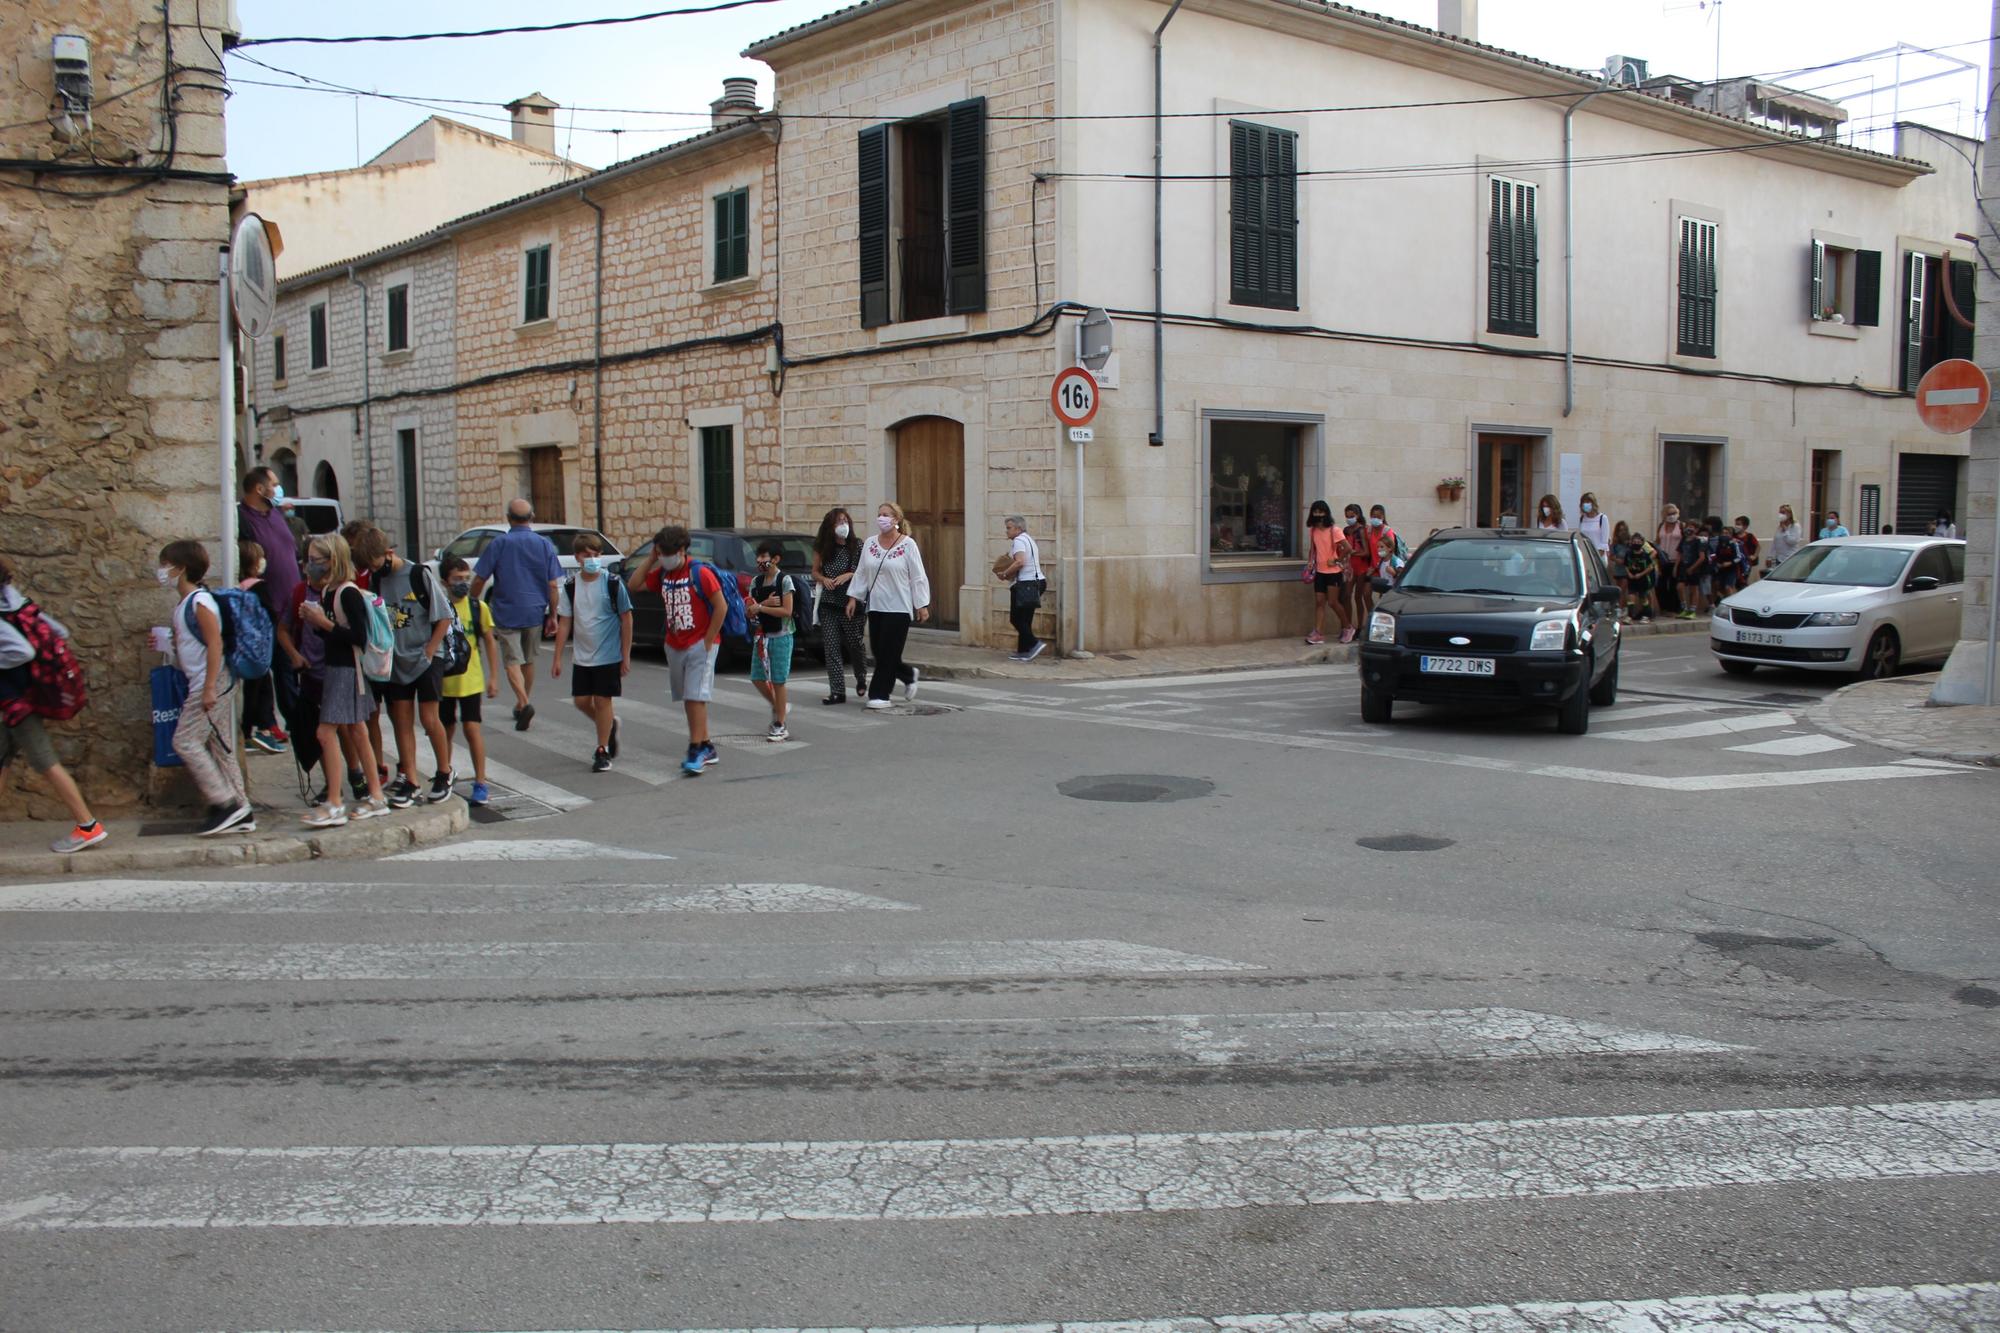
x,y
1592,523
890,582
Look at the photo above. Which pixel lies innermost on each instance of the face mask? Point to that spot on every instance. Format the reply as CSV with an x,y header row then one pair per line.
x,y
319,569
884,522
674,562
1374,522
1545,511
277,494
1589,508
165,574
841,530
461,588
1353,519
592,565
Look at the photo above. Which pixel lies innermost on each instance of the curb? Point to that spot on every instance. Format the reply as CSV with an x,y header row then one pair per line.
x,y
1822,716
374,838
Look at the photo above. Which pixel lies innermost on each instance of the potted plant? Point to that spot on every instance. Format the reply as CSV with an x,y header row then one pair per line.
x,y
1451,488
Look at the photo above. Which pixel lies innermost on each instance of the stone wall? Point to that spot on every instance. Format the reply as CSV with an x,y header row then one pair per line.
x,y
108,388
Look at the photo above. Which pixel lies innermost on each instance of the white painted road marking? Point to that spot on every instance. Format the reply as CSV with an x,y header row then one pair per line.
x,y
527,849
1794,746
239,896
1621,713
625,960
1934,1306
1332,670
1688,731
576,1184
513,779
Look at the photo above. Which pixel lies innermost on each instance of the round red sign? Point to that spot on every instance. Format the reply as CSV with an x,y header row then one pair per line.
x,y
1952,396
1074,396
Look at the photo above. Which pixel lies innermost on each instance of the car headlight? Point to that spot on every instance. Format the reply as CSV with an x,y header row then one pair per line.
x,y
1720,613
1381,628
1550,636
1828,619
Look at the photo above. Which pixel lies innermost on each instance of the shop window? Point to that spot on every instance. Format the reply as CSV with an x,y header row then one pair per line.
x,y
1254,506
1692,478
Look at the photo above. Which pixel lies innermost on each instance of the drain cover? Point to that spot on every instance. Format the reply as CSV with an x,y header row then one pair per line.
x,y
1135,788
1404,842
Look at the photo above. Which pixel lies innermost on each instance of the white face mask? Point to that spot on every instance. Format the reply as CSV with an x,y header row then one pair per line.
x,y
1589,508
165,575
1545,511
840,530
884,522
674,562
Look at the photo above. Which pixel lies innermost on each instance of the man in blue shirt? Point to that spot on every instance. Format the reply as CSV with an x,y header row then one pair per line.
x,y
526,574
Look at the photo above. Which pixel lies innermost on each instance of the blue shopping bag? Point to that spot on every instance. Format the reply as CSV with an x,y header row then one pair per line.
x,y
169,693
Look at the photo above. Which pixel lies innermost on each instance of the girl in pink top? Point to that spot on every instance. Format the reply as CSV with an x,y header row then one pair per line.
x,y
1327,546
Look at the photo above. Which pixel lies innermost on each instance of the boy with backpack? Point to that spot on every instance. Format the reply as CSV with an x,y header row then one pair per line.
x,y
29,638
597,610
772,597
206,731
422,617
697,608
463,689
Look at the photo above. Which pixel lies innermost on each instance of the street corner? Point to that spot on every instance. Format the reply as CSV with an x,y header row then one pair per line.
x,y
1898,714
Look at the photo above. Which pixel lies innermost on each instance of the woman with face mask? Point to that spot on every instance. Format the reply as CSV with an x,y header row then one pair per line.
x,y
1667,544
1944,527
1360,566
1592,523
1328,568
890,582
836,555
1786,541
1549,515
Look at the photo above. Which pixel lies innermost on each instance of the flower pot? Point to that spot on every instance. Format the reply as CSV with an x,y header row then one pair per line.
x,y
1450,493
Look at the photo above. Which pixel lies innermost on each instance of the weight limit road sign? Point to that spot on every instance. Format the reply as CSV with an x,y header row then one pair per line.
x,y
1074,396
1952,396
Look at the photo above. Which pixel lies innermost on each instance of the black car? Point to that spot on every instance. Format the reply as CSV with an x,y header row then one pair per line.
x,y
733,553
1487,616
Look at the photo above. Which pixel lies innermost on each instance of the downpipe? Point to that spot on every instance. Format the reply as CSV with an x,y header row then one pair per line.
x,y
1159,435
597,364
367,401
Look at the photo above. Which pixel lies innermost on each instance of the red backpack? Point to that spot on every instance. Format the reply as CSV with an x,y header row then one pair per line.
x,y
55,681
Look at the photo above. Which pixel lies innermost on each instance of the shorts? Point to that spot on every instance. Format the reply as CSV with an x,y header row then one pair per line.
x,y
596,682
778,648
28,740
424,689
519,647
1327,582
691,673
456,708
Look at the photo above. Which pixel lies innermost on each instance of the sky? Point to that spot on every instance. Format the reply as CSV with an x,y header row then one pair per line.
x,y
676,65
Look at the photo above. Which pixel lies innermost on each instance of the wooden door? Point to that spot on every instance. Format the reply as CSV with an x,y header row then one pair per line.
x,y
545,484
1503,479
930,485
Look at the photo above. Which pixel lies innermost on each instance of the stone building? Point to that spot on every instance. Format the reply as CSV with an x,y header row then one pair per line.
x,y
111,217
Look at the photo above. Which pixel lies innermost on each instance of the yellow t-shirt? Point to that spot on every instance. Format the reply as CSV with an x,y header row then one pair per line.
x,y
471,681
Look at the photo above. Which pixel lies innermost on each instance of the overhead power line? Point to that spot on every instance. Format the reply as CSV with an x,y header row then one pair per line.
x,y
566,26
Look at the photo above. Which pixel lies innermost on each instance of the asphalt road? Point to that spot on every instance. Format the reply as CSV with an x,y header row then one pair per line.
x,y
1154,1001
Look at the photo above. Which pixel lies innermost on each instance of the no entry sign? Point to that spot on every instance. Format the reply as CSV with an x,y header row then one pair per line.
x,y
1074,396
1952,396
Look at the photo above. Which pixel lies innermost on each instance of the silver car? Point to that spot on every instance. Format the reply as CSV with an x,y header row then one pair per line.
x,y
1861,604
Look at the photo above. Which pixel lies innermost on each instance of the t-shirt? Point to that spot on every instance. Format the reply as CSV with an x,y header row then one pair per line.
x,y
472,680
1329,547
520,564
281,554
190,649
596,636
1833,530
1031,559
764,589
687,612
1639,560
416,602
1669,541
308,639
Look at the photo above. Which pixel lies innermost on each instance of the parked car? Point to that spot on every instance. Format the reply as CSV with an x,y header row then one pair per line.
x,y
1496,616
472,543
732,551
1862,604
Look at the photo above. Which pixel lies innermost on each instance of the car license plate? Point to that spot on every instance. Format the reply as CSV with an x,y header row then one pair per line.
x,y
1455,666
1750,636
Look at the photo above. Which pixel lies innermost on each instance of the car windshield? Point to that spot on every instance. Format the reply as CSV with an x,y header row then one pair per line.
x,y
1493,567
319,519
1845,566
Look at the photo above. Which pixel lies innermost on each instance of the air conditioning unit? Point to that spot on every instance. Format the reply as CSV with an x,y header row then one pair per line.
x,y
1629,71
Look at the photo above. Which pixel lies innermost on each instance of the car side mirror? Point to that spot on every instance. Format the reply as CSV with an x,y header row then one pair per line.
x,y
1380,584
1921,583
1606,597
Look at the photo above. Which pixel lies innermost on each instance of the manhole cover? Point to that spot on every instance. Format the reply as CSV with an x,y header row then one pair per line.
x,y
1404,842
1135,788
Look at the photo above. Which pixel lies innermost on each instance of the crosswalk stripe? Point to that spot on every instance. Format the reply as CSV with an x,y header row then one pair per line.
x,y
1794,746
562,960
238,896
1329,671
1688,731
566,1184
513,779
1623,713
631,765
1961,1305
527,849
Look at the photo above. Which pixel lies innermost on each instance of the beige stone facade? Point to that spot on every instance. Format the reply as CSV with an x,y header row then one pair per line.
x,y
108,359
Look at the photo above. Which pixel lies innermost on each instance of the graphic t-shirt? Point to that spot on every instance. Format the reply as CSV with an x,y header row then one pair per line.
x,y
416,602
687,610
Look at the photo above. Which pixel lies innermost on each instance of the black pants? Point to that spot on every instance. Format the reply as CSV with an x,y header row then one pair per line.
x,y
888,631
840,645
304,721
260,703
1022,613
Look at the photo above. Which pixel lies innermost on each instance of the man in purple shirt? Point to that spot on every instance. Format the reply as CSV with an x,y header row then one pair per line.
x,y
258,519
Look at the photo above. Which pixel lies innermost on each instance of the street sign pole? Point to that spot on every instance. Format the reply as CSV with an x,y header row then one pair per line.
x,y
1952,397
1074,398
226,412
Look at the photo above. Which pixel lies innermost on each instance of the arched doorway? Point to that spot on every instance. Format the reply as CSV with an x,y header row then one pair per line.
x,y
930,485
286,464
325,486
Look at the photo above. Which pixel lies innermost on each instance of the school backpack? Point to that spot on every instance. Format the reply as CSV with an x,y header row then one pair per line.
x,y
736,624
621,600
378,654
456,650
55,688
247,632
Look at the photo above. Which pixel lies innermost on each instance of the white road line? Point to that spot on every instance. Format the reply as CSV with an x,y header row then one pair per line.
x,y
527,849
575,751
1933,1306
513,779
992,695
1795,746
1333,744
1329,670
1622,713
239,896
557,960
1688,731
461,1185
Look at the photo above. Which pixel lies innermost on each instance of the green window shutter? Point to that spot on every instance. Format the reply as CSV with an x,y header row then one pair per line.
x,y
1263,216
535,285
1868,288
1246,229
732,235
1696,323
1913,320
965,207
1512,259
1816,281
722,219
1964,279
872,202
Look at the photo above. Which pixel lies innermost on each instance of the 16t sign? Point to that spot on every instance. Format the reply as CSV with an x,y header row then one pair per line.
x,y
1074,396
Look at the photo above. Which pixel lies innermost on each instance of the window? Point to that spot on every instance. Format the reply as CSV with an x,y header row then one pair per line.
x,y
535,284
1696,332
1263,216
1691,478
1939,300
1871,509
1253,489
718,476
1512,259
1954,558
732,235
316,337
409,488
397,315
1846,285
921,203
278,358
1931,563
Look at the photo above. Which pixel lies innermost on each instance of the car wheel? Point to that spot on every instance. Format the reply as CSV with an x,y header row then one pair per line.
x,y
1573,717
1882,656
1376,706
1738,668
1605,692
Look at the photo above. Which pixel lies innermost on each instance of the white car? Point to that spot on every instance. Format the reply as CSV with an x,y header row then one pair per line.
x,y
1861,604
472,543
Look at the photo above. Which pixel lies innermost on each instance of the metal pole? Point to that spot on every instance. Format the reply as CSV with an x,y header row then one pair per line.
x,y
1082,598
1993,617
226,431
1159,435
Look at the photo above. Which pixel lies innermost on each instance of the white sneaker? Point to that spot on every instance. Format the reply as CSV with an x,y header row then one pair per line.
x,y
910,687
777,733
370,809
882,704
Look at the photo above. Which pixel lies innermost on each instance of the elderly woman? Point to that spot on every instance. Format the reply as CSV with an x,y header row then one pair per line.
x,y
890,581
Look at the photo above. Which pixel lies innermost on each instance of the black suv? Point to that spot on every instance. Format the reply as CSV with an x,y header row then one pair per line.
x,y
1495,616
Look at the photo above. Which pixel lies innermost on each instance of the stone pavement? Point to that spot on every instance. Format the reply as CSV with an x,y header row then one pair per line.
x,y
1897,713
165,841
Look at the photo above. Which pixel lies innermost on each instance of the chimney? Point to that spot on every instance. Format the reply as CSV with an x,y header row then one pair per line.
x,y
738,102
534,122
1459,18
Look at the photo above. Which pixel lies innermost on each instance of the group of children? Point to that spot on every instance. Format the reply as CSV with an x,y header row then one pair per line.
x,y
1686,570
1344,561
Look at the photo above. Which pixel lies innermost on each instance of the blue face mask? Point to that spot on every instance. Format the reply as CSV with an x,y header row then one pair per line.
x,y
592,565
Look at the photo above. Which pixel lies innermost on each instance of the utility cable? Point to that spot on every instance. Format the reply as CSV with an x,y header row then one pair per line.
x,y
567,26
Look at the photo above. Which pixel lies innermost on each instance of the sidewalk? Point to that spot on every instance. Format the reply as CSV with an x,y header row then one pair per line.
x,y
165,841
953,661
1897,713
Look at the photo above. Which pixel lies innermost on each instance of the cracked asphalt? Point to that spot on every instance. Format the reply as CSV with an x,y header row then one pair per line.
x,y
905,1037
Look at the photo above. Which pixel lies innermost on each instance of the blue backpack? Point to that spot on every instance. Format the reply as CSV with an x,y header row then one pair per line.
x,y
247,632
736,624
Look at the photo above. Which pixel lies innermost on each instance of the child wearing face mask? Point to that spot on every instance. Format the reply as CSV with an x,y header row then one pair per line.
x,y
261,733
772,597
204,738
695,607
460,696
596,609
1360,566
